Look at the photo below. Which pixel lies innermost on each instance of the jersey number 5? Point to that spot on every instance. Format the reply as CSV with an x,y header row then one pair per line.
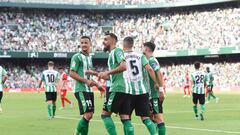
x,y
135,70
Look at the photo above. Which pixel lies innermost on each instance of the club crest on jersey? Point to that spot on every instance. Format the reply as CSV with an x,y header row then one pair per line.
x,y
120,54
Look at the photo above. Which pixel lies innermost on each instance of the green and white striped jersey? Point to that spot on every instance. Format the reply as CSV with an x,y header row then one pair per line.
x,y
50,78
119,84
199,80
80,63
210,78
136,63
2,74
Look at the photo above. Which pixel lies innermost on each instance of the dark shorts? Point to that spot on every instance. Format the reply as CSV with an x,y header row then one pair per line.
x,y
85,101
117,102
210,88
140,103
1,95
51,96
198,97
156,106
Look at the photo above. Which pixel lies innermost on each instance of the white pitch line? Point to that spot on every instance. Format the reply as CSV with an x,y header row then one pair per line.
x,y
217,110
173,127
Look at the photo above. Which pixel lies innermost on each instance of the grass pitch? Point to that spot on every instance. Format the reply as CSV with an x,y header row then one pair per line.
x,y
26,114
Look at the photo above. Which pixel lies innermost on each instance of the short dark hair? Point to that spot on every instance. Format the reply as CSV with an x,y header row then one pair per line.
x,y
197,65
129,41
150,45
112,35
60,68
50,63
87,37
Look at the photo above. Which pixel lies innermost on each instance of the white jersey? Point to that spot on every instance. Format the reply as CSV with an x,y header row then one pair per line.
x,y
2,74
50,77
136,63
199,80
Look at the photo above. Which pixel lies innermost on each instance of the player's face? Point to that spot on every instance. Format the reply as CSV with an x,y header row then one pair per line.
x,y
144,50
85,45
107,41
61,71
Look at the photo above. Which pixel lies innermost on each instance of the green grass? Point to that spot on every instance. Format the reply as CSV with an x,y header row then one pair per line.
x,y
26,114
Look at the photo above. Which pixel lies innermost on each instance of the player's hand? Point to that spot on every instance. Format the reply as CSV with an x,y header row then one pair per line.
x,y
91,83
38,90
100,88
103,75
156,86
90,72
161,96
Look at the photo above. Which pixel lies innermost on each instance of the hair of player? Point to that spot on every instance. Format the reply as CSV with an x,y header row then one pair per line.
x,y
129,41
112,35
87,37
150,45
51,63
60,68
197,65
208,68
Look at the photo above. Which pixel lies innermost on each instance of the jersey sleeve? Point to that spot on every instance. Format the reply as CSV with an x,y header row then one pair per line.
x,y
57,76
144,60
119,55
75,62
4,72
42,77
192,78
154,64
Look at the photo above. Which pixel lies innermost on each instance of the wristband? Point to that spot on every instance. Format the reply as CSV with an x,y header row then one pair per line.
x,y
160,89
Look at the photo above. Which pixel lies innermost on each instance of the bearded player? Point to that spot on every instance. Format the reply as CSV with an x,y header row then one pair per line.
x,y
118,99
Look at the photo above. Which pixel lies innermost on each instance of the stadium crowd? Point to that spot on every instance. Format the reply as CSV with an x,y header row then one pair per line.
x,y
136,2
225,74
60,31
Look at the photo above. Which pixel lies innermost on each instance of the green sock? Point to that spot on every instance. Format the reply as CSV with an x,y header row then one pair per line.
x,y
213,96
54,109
202,108
82,126
161,129
109,125
150,126
195,109
49,107
128,127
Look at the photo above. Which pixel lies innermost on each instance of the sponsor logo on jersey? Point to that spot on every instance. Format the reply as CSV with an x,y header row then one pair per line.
x,y
154,66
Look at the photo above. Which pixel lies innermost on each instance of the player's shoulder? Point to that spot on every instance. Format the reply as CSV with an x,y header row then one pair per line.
x,y
76,55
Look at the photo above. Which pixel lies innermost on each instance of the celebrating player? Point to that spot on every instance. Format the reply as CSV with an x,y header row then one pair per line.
x,y
198,79
186,88
136,64
210,78
50,78
80,63
156,95
117,98
3,78
63,86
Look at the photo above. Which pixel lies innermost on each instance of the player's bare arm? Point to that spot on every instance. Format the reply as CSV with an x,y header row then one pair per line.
x,y
152,75
4,79
75,76
160,82
105,75
91,72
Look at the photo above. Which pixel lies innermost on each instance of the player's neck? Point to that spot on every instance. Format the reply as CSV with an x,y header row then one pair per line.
x,y
85,53
149,55
112,47
128,50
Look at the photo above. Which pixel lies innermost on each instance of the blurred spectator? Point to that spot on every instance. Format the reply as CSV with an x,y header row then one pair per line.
x,y
225,74
45,31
